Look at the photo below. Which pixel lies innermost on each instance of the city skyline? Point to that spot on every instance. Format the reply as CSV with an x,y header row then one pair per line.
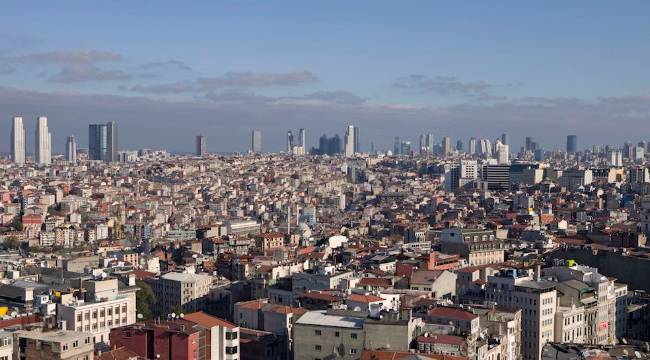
x,y
591,81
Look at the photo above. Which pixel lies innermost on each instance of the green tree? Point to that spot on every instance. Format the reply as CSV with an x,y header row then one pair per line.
x,y
18,225
144,298
12,242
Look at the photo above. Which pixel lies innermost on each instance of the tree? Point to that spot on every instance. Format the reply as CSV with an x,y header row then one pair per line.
x,y
12,242
18,225
144,298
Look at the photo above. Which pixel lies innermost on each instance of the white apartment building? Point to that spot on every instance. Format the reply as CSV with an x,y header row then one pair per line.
x,y
600,308
105,308
537,300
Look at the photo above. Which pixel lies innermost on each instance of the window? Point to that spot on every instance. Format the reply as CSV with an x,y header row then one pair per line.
x,y
353,335
318,332
317,347
337,334
231,350
353,351
231,335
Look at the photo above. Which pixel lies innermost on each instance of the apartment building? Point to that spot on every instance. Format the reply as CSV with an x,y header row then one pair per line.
x,y
477,246
184,291
103,308
319,335
535,297
6,345
53,345
222,337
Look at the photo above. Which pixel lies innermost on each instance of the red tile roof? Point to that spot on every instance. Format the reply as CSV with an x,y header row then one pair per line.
x,y
451,313
364,298
209,321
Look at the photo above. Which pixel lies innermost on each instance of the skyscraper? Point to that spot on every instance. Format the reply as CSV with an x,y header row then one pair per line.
x,y
446,145
503,153
529,144
301,138
571,144
397,146
289,141
102,142
201,145
71,149
111,129
17,140
43,142
256,141
505,139
357,141
472,146
350,138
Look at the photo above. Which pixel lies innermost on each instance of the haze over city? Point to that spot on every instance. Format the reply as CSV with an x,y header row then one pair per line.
x,y
166,71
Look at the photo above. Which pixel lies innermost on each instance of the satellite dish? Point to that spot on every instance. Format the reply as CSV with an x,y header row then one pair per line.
x,y
181,315
140,316
173,315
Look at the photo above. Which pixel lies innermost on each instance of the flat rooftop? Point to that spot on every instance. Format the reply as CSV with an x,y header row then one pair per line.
x,y
324,319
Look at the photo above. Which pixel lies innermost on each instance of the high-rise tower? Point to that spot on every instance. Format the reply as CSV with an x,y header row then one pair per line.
x,y
201,147
256,141
71,149
17,140
572,144
349,141
102,142
43,142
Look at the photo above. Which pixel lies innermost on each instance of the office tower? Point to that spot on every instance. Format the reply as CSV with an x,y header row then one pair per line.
x,y
323,142
349,141
628,151
302,142
335,145
539,154
429,143
397,146
616,158
460,146
71,150
372,147
485,148
256,141
572,144
357,141
472,146
446,145
505,139
17,140
102,142
97,142
639,153
43,142
503,153
289,141
422,146
201,147
111,128
405,148
529,144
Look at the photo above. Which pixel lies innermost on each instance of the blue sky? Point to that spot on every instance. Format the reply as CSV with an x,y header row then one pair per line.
x,y
456,68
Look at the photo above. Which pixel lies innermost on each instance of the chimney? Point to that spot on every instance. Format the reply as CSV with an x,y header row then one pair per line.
x,y
538,272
